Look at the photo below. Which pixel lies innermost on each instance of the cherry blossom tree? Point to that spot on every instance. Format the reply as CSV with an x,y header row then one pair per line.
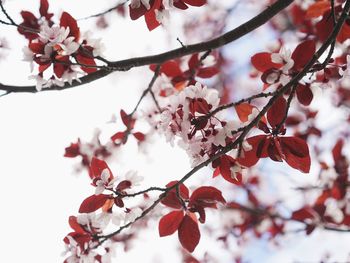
x,y
237,125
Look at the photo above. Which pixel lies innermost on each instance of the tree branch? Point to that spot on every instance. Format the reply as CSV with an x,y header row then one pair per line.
x,y
124,65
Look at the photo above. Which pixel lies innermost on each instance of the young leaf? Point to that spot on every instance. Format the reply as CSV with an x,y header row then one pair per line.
x,y
169,223
92,203
189,234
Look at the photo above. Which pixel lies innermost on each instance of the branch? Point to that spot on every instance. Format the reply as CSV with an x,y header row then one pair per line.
x,y
124,65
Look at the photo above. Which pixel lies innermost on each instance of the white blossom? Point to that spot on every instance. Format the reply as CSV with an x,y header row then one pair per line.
x,y
54,34
283,57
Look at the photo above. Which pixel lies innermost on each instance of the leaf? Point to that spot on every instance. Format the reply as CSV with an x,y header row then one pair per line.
x,y
303,54
304,94
337,150
97,166
127,120
139,136
302,214
88,61
195,2
207,72
44,7
295,145
38,48
189,234
193,61
317,9
243,111
73,150
171,199
262,62
171,68
136,13
259,150
92,203
344,33
277,112
206,196
68,21
73,223
296,153
118,137
169,223
151,20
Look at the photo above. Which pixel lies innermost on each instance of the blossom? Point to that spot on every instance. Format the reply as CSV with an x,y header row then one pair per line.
x,y
54,34
68,47
104,182
133,178
283,57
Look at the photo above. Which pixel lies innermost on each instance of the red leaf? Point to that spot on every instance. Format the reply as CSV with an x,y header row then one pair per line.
x,y
207,72
68,21
296,153
243,111
38,48
304,94
193,61
72,151
206,196
295,146
302,214
171,68
324,27
303,53
344,33
151,20
262,62
92,203
195,2
317,9
139,136
171,199
119,137
128,122
277,112
88,61
136,13
259,150
44,7
97,166
29,21
59,69
169,223
337,150
75,225
189,234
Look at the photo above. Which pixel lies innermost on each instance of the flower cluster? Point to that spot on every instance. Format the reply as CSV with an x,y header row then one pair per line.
x,y
201,133
59,51
88,227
